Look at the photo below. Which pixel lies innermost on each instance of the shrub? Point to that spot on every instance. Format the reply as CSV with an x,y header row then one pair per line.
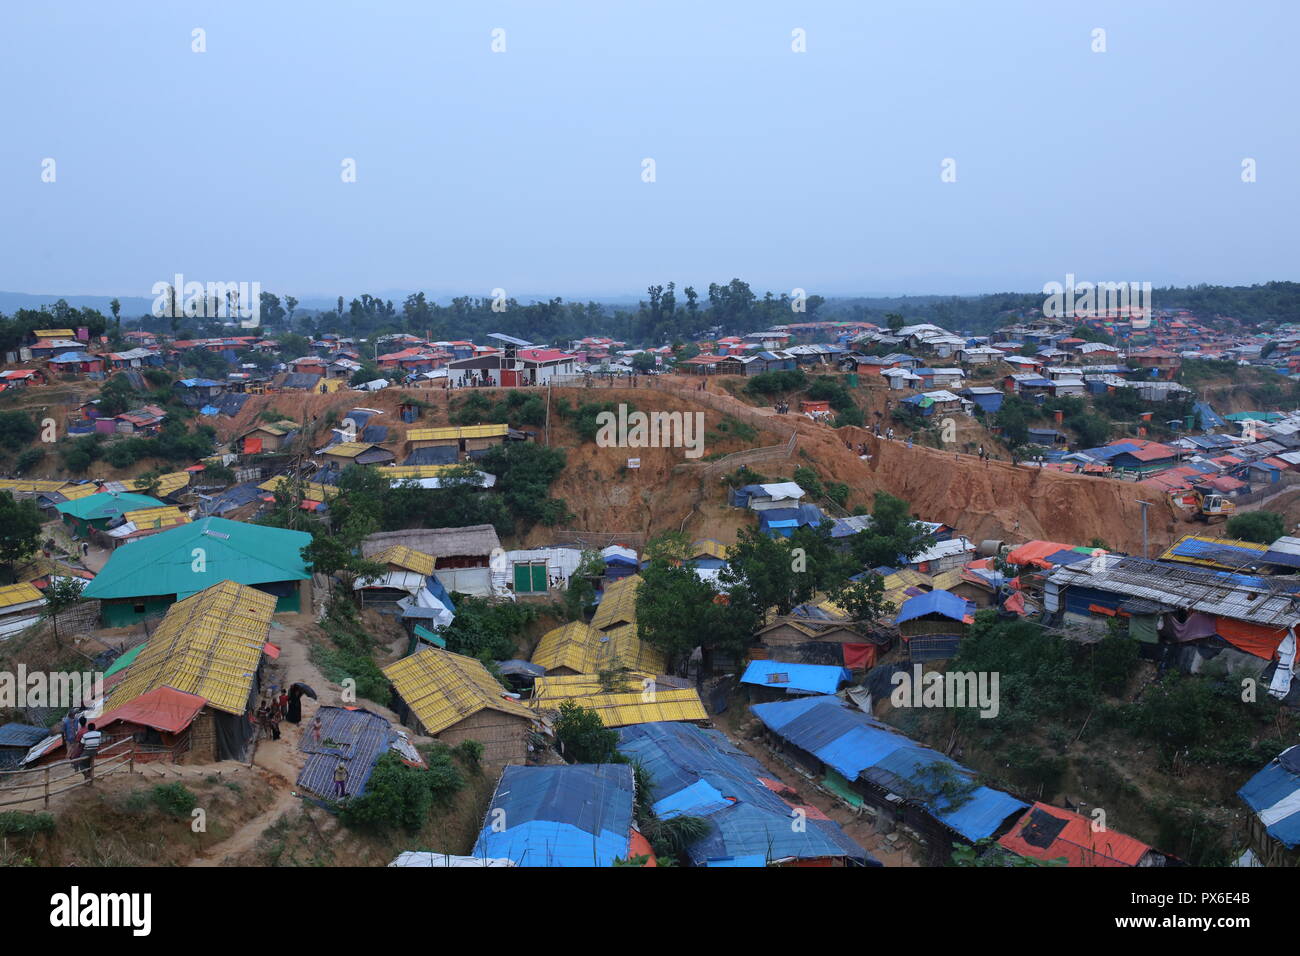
x,y
24,824
174,799
398,796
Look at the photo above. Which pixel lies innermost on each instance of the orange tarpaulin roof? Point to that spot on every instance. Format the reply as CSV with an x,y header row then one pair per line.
x,y
163,708
1051,833
637,845
1035,553
1252,638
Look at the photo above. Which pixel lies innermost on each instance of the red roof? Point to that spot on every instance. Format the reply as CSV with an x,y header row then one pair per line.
x,y
1051,833
543,355
165,709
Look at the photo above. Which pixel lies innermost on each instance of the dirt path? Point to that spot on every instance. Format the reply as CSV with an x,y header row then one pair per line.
x,y
246,837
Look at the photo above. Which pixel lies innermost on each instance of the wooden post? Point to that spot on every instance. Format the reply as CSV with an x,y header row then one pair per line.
x,y
47,786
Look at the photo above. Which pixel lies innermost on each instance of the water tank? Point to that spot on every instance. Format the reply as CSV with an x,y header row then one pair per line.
x,y
990,548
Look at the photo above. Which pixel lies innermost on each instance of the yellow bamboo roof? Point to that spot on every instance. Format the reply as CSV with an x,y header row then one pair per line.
x,y
12,595
30,485
618,606
208,644
457,431
168,484
349,449
399,555
73,492
574,645
164,517
443,688
643,705
310,489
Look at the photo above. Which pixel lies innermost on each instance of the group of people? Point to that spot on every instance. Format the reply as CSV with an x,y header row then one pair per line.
x,y
82,740
782,408
279,705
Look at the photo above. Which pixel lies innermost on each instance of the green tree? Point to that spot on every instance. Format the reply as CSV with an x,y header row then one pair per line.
x,y
864,599
20,528
678,611
1262,527
62,595
583,736
893,534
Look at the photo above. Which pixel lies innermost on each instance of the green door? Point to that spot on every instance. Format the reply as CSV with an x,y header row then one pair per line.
x,y
539,577
523,579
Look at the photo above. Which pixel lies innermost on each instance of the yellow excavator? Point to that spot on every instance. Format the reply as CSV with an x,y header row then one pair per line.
x,y
1212,508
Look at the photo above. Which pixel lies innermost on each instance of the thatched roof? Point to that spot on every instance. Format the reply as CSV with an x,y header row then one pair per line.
x,y
477,539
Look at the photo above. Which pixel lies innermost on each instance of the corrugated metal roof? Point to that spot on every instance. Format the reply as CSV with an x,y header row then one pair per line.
x,y
1260,599
165,563
208,645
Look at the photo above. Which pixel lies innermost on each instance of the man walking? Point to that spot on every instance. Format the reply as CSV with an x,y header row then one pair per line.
x,y
340,780
90,742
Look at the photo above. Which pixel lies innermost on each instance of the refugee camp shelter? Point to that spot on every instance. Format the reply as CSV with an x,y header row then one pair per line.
x,y
700,773
638,698
932,624
209,645
151,574
20,607
159,721
871,764
99,510
352,736
454,698
1046,832
462,556
462,438
772,680
556,816
579,648
16,739
1273,796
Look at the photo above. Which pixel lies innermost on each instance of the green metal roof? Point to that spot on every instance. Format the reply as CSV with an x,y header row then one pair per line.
x,y
170,562
106,505
125,660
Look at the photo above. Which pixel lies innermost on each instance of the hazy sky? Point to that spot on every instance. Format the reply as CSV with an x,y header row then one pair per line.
x,y
523,169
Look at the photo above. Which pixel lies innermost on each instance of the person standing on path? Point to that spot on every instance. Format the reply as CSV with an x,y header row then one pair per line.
x,y
340,780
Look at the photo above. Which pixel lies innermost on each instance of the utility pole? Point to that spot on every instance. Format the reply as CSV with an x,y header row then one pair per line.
x,y
1146,553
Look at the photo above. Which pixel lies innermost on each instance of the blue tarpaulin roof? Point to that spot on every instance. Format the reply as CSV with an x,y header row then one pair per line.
x,y
22,735
1209,417
857,745
1274,795
701,772
934,602
576,815
355,738
795,678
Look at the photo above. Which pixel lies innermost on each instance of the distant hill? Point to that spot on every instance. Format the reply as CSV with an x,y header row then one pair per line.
x,y
132,306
